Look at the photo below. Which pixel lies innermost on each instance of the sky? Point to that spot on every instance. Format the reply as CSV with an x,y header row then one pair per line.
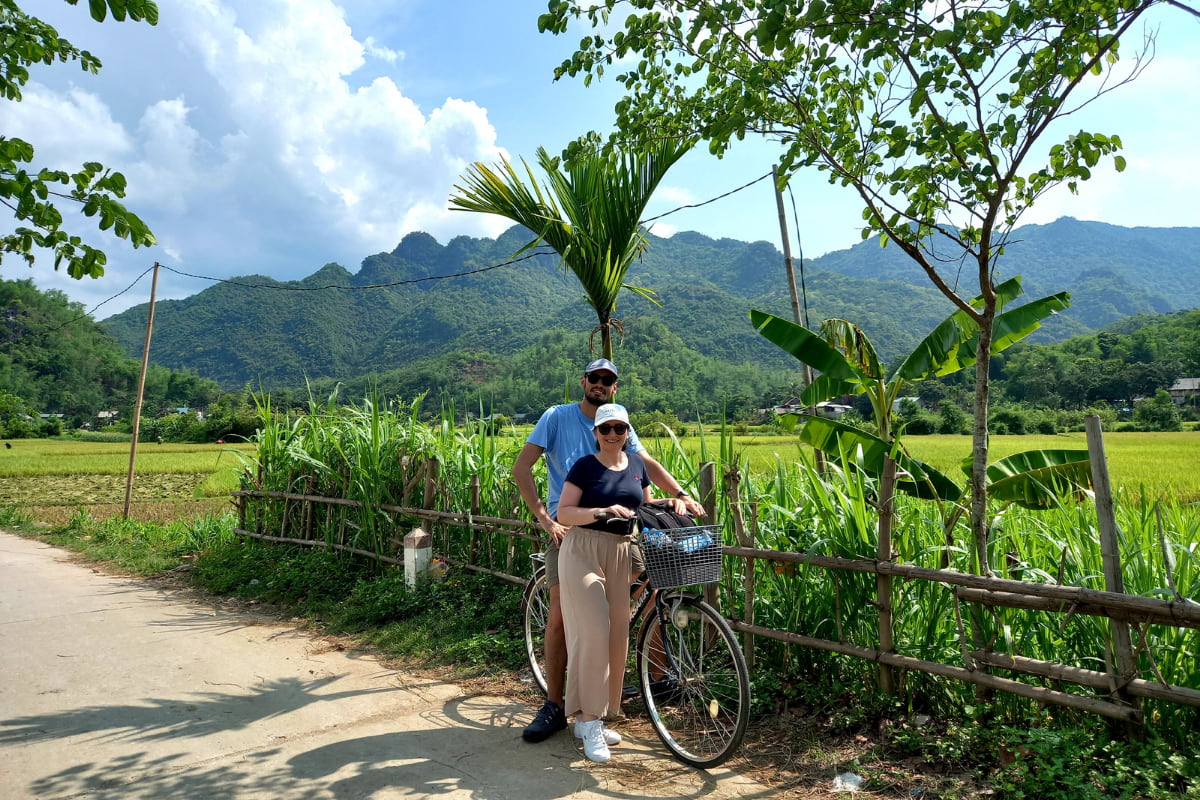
x,y
271,137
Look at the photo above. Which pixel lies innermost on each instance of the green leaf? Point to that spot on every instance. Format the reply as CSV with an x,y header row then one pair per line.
x,y
804,345
1038,479
913,477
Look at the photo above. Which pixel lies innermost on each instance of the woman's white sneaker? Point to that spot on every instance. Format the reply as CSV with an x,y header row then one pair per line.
x,y
610,737
594,746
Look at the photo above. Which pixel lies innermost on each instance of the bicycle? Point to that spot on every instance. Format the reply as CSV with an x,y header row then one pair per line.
x,y
692,675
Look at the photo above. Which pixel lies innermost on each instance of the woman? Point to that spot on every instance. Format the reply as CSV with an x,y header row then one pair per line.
x,y
599,500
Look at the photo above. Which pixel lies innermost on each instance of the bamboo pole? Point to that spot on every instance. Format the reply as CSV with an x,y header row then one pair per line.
x,y
733,479
883,582
707,481
1091,678
473,549
1033,603
141,391
1169,611
1038,693
1110,552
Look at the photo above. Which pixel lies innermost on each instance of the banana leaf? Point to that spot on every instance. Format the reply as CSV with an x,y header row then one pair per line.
x,y
952,345
913,477
1038,479
806,346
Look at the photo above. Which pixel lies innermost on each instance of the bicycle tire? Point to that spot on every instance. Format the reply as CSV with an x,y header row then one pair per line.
x,y
535,610
704,720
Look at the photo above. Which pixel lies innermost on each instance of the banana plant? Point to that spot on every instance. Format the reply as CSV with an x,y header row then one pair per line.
x,y
848,364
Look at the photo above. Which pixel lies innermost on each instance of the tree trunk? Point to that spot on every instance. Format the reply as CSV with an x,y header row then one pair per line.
x,y
606,348
979,439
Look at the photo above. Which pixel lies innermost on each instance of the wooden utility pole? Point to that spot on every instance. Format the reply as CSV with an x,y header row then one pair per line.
x,y
137,406
791,276
787,258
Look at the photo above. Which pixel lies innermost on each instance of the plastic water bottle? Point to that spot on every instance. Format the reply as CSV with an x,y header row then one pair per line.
x,y
652,537
696,542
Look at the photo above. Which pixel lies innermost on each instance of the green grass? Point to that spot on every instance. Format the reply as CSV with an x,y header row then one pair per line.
x,y
40,457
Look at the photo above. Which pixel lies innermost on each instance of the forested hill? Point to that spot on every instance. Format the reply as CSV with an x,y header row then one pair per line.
x,y
277,337
1111,272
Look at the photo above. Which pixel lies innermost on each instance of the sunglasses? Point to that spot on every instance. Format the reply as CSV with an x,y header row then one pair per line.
x,y
607,380
606,428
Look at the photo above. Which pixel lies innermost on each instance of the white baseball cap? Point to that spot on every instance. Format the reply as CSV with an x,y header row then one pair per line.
x,y
611,412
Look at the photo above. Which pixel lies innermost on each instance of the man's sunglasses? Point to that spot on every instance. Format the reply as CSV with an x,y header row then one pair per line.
x,y
606,428
596,377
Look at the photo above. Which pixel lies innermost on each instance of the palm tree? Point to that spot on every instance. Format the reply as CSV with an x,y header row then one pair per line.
x,y
589,213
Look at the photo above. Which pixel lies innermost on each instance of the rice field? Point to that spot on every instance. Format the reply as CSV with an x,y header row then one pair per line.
x,y
54,477
1153,465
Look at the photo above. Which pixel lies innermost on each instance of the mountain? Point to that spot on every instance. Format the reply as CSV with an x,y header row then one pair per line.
x,y
402,308
1111,272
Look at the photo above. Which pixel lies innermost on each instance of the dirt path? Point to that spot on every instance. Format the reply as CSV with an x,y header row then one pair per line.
x,y
115,687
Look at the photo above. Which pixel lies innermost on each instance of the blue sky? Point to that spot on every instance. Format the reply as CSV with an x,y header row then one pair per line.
x,y
274,136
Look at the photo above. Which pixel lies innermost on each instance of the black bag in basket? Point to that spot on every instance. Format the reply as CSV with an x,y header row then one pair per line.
x,y
658,517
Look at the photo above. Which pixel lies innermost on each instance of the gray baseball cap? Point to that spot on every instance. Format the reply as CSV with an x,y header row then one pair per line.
x,y
600,364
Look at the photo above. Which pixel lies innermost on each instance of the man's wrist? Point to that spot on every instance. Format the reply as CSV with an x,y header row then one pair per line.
x,y
682,493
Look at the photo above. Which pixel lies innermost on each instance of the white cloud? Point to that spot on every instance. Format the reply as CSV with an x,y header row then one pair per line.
x,y
383,53
65,127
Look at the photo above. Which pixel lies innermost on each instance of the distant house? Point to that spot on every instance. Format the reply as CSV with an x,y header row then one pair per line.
x,y
789,406
107,417
829,410
826,408
899,401
184,410
1185,390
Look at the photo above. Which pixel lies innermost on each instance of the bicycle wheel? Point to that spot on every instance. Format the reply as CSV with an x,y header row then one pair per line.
x,y
535,608
695,682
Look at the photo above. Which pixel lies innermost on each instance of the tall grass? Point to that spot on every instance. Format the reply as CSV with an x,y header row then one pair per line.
x,y
378,453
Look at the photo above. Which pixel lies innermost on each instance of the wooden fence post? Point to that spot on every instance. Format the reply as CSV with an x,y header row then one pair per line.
x,y
1110,554
473,553
883,583
707,481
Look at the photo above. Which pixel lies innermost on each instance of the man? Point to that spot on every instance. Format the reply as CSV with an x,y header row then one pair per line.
x,y
563,435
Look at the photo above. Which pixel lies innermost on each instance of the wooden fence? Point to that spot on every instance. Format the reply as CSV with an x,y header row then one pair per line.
x,y
1116,692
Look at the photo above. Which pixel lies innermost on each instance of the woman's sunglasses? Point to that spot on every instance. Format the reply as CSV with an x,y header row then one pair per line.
x,y
606,428
607,380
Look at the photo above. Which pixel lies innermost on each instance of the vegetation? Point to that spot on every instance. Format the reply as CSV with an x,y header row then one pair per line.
x,y
936,116
663,378
461,329
54,359
796,510
26,189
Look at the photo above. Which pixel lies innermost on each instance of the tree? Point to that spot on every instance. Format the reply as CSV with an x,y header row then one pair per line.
x,y
30,194
1157,413
589,214
933,113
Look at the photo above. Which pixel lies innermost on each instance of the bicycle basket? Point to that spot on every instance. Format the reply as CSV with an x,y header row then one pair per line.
x,y
682,556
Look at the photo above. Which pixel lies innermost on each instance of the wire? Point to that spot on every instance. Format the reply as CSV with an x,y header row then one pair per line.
x,y
283,288
800,247
711,200
278,287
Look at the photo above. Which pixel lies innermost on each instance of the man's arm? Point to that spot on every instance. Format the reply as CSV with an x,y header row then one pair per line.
x,y
666,481
522,473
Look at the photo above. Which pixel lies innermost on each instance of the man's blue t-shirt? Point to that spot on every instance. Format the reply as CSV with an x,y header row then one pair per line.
x,y
565,435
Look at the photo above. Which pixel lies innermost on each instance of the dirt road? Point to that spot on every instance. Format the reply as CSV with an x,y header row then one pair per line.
x,y
118,688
